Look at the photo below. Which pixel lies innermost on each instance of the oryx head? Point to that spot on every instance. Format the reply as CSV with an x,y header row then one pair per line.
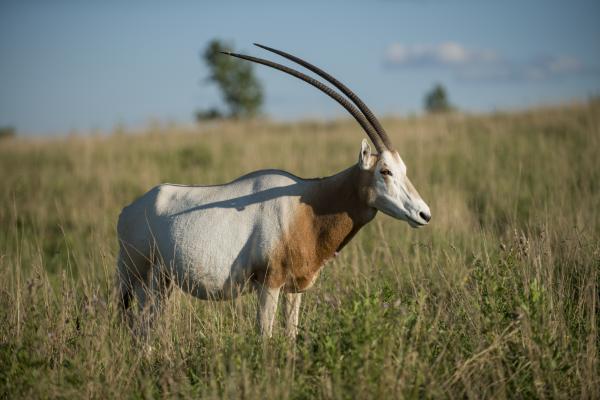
x,y
389,189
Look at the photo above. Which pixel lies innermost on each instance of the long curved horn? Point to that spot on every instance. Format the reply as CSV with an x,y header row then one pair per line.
x,y
360,118
344,89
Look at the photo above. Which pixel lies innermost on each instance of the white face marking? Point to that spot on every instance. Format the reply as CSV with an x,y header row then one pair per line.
x,y
394,194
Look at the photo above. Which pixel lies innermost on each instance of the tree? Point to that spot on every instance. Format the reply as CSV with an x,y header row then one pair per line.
x,y
436,100
7,132
241,90
208,114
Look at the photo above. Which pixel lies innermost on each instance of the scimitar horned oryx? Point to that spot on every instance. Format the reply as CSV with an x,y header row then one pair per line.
x,y
268,231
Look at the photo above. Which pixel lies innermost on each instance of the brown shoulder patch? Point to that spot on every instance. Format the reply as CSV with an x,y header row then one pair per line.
x,y
328,216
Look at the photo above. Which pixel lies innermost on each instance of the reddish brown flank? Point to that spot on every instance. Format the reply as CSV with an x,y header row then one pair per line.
x,y
327,218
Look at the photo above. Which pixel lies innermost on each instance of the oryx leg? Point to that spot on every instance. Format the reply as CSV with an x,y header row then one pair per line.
x,y
267,307
291,311
133,269
151,298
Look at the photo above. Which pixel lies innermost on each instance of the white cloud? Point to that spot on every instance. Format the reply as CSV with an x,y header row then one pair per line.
x,y
443,54
481,64
451,53
564,64
531,70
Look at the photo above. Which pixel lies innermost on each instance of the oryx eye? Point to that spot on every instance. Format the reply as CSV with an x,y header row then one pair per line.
x,y
386,172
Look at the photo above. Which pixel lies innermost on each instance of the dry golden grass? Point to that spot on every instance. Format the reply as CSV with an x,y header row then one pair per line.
x,y
497,297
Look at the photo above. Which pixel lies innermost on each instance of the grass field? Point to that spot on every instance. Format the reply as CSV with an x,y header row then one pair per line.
x,y
498,297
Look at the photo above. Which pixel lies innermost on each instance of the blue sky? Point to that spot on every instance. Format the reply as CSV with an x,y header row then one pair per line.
x,y
84,65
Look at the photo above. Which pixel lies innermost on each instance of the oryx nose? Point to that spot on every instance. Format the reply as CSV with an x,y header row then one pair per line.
x,y
425,215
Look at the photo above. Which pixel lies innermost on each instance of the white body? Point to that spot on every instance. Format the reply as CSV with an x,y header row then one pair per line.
x,y
210,237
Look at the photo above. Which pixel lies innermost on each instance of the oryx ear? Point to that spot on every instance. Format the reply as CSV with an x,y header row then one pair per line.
x,y
365,159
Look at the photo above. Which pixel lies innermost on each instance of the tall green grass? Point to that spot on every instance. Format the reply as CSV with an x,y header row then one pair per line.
x,y
497,297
